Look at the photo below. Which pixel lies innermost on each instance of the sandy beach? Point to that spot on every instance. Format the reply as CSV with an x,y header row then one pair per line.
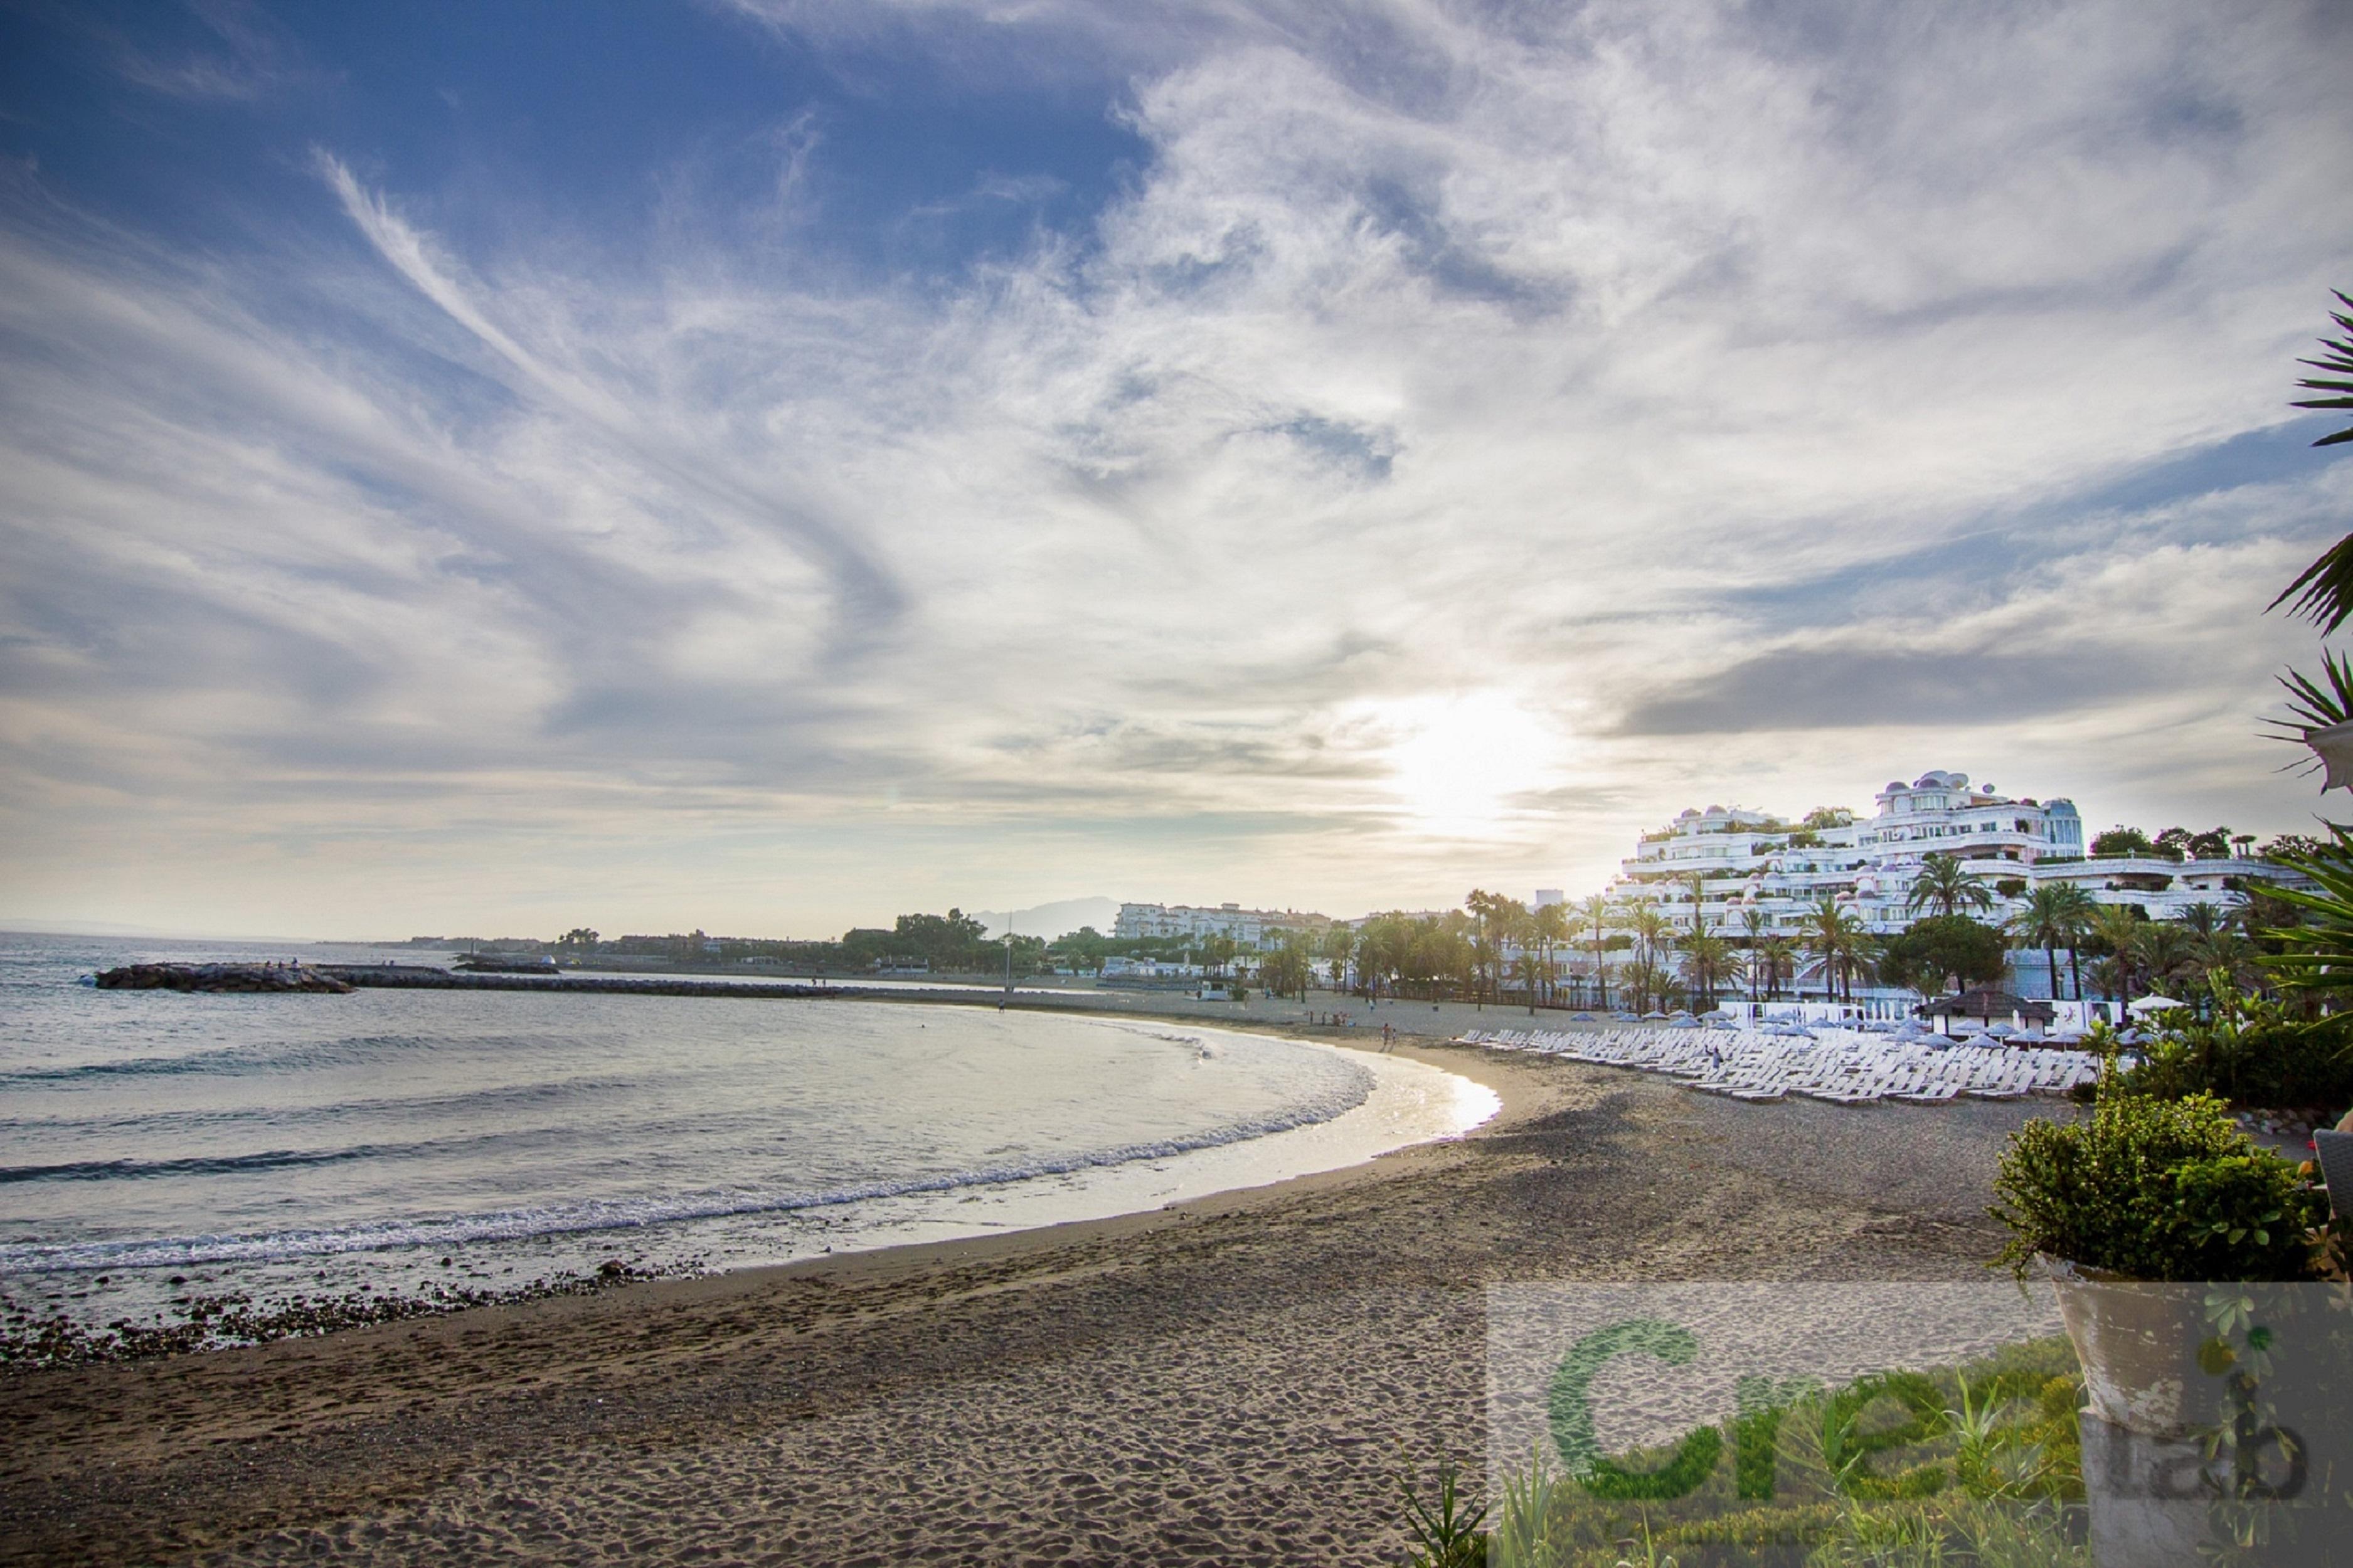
x,y
1234,1380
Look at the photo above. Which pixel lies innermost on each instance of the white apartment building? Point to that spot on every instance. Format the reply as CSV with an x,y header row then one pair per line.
x,y
1751,866
1247,928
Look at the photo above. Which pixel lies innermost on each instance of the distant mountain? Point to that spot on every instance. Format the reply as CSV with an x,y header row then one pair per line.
x,y
1051,920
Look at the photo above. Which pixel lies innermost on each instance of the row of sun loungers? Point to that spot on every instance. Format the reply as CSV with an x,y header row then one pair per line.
x,y
1837,1065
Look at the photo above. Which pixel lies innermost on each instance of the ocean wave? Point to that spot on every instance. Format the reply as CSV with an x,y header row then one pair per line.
x,y
514,1224
192,1165
278,1056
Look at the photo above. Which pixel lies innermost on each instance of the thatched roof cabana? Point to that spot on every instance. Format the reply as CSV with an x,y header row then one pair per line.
x,y
1989,1007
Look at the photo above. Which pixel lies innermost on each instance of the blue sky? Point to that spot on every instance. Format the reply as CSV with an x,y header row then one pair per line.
x,y
767,465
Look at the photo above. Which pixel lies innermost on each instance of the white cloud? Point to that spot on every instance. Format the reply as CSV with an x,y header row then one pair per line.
x,y
1440,361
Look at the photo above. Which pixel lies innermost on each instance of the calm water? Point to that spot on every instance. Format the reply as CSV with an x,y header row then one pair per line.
x,y
316,1142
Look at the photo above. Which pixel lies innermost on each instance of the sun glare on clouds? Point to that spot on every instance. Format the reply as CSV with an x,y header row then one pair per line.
x,y
1460,761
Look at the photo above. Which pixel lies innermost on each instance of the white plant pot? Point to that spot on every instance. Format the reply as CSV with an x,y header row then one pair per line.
x,y
2138,1342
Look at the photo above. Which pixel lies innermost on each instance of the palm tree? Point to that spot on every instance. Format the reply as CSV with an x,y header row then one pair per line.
x,y
1698,886
1595,911
1529,970
1707,957
1339,943
1754,919
2227,953
2326,586
1650,931
1497,918
2206,918
1381,949
1943,885
1547,929
1777,957
2165,950
2057,915
1286,971
1842,943
2115,932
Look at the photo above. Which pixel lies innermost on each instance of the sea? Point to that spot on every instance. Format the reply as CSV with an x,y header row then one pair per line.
x,y
157,1144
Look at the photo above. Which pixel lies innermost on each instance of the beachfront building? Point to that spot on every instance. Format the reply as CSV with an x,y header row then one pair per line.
x,y
1743,869
1245,928
1751,875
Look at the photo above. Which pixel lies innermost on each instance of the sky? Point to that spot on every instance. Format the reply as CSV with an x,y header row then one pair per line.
x,y
766,465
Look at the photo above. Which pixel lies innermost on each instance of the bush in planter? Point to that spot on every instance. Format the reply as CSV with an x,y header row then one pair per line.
x,y
2155,1189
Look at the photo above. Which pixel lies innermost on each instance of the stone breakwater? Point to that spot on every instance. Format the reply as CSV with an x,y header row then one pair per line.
x,y
426,977
241,977
339,978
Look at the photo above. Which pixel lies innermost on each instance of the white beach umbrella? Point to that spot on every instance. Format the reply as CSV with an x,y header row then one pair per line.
x,y
2154,1003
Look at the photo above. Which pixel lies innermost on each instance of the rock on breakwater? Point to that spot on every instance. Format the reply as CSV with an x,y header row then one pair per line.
x,y
423,977
240,977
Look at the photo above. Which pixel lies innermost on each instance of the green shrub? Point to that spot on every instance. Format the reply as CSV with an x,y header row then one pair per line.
x,y
2155,1189
2250,1052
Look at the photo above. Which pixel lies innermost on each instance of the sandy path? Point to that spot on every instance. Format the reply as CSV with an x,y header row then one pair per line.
x,y
1235,1381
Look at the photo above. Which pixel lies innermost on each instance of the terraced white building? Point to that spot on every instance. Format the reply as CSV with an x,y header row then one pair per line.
x,y
1737,864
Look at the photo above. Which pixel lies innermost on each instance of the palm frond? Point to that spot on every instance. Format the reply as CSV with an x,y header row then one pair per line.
x,y
2313,706
2318,955
2323,591
2339,359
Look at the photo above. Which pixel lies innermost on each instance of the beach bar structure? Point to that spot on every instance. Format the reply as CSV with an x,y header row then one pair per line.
x,y
1988,1007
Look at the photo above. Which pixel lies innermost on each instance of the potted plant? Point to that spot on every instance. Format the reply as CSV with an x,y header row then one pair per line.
x,y
2145,1195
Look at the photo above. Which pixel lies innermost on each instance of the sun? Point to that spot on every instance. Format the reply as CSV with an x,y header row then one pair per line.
x,y
1459,761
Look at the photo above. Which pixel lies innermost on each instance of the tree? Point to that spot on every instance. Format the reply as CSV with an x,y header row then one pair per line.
x,y
1495,917
1698,886
1842,943
1777,956
1706,960
1381,946
578,936
1651,932
1753,920
2323,592
1823,817
2114,933
1339,943
2227,952
2206,918
2057,914
1594,912
1528,969
1942,885
1942,948
2123,841
2176,843
1286,971
2165,953
1547,927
